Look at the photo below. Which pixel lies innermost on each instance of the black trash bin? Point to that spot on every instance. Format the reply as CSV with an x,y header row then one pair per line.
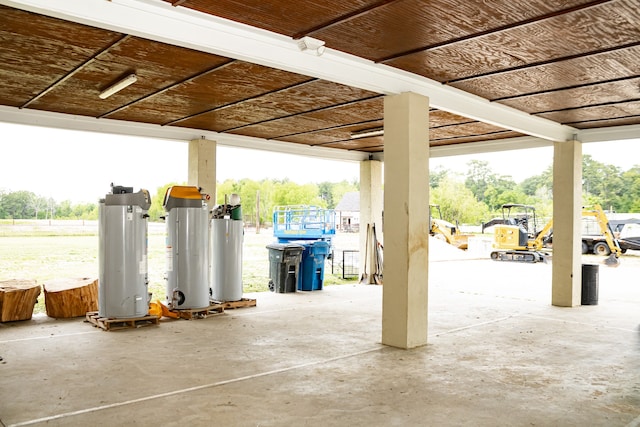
x,y
284,265
590,274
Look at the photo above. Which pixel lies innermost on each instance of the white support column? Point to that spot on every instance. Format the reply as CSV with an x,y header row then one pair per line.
x,y
406,220
370,208
567,214
202,167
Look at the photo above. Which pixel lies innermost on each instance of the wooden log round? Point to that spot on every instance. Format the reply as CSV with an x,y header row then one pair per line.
x,y
66,298
17,298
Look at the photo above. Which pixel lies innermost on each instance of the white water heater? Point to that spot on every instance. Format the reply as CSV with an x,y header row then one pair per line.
x,y
187,245
227,236
122,278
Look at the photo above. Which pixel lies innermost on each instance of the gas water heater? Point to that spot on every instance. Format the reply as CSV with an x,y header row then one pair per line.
x,y
227,235
122,278
187,244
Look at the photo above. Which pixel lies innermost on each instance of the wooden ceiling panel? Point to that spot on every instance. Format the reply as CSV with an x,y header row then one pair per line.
x,y
466,139
472,128
157,66
359,115
367,126
229,118
438,118
577,71
280,16
328,135
613,92
160,60
572,61
625,121
405,25
331,135
309,124
216,121
36,55
373,144
280,127
320,137
225,84
586,114
311,96
368,110
315,96
606,26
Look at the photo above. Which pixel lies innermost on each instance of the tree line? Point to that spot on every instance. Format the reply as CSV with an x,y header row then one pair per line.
x,y
271,193
478,195
470,198
262,196
28,205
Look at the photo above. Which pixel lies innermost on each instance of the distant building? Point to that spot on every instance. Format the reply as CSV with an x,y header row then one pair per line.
x,y
348,212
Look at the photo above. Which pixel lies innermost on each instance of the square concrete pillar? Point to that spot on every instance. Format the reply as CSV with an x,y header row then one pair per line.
x,y
406,220
202,167
370,208
567,217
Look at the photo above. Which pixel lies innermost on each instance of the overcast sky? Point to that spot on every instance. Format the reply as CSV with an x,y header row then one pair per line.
x,y
80,166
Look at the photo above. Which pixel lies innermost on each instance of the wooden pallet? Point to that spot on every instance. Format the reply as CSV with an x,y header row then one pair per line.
x,y
121,323
200,313
244,302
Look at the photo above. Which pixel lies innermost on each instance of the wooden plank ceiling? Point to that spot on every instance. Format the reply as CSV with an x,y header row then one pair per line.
x,y
576,62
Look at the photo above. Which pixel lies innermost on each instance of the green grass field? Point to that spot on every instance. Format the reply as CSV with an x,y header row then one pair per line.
x,y
41,251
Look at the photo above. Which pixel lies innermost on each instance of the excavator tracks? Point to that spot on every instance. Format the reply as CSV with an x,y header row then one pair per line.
x,y
519,256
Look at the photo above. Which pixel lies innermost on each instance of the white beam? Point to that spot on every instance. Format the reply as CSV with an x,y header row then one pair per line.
x,y
158,20
614,133
67,121
489,146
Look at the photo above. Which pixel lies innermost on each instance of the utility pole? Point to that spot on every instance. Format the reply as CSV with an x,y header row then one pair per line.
x,y
258,212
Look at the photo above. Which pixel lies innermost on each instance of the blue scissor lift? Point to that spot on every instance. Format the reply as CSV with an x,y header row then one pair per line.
x,y
312,227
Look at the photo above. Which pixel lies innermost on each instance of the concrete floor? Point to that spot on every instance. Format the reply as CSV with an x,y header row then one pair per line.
x,y
498,355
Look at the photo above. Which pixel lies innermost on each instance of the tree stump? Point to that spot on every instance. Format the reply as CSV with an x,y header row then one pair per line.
x,y
70,297
17,298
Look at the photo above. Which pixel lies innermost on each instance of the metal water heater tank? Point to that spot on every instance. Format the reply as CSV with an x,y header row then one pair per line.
x,y
226,259
187,222
122,278
227,235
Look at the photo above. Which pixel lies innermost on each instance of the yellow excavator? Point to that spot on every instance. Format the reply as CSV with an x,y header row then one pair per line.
x,y
516,237
444,230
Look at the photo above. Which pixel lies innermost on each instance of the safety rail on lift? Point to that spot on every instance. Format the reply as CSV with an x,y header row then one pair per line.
x,y
302,222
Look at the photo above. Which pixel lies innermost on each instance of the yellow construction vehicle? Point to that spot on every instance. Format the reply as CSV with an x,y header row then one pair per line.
x,y
604,244
445,230
516,237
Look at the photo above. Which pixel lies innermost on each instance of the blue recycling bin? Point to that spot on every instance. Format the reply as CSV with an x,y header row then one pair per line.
x,y
311,275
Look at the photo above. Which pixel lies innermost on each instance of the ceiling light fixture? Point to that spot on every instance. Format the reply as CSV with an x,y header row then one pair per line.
x,y
311,45
367,133
117,87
